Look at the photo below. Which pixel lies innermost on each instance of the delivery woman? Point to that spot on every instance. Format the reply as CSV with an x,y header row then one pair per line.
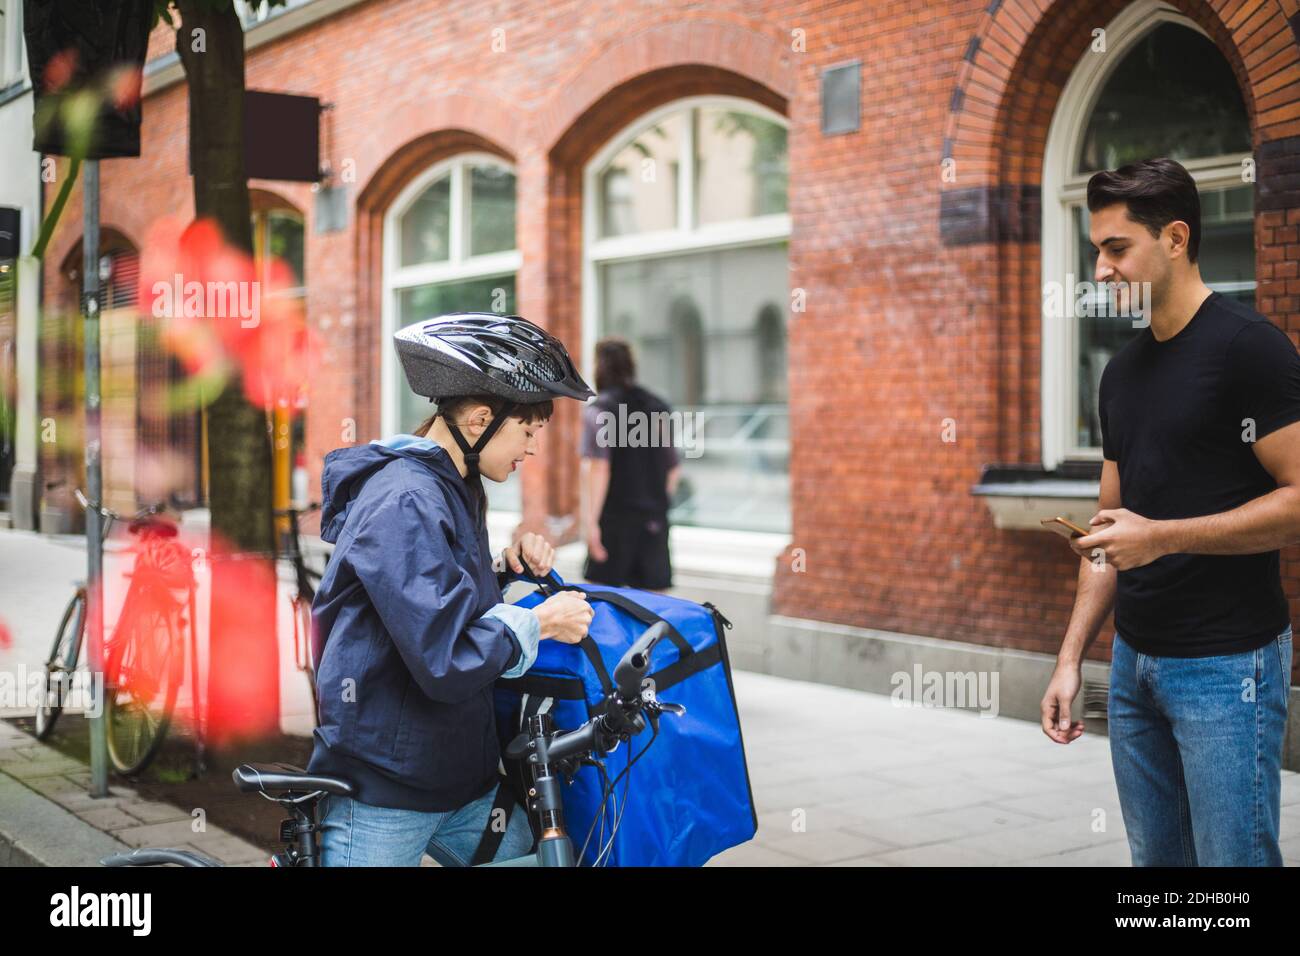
x,y
410,628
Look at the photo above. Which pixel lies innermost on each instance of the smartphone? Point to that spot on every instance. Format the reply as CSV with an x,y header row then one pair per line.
x,y
1066,529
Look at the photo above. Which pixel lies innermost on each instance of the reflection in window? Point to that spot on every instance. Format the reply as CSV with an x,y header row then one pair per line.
x,y
426,226
702,314
639,185
492,210
687,338
740,165
769,329
697,348
1172,95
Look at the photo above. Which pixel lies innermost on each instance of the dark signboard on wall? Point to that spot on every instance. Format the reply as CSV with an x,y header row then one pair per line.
x,y
281,136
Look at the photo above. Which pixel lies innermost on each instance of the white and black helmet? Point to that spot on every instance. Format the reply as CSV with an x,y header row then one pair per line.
x,y
481,353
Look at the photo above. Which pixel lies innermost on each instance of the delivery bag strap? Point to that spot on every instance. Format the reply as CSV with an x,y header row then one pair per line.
x,y
552,583
490,842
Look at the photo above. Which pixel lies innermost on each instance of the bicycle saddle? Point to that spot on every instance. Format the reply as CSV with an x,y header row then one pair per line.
x,y
280,778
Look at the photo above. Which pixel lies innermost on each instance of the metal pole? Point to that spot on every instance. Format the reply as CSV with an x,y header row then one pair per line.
x,y
94,483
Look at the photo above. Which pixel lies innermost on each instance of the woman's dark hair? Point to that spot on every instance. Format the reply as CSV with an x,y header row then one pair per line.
x,y
615,367
1156,192
534,412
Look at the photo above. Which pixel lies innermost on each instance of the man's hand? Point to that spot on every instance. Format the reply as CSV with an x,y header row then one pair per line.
x,y
535,550
564,617
1055,707
595,547
1128,540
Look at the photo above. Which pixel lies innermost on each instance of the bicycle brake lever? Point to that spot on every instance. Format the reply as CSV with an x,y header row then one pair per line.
x,y
517,749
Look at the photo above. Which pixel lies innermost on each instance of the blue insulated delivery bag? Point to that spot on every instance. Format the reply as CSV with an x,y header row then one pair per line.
x,y
688,797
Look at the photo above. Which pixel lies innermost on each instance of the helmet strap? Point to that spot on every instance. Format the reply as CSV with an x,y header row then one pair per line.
x,y
471,454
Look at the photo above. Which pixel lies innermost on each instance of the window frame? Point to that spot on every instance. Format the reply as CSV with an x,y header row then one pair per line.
x,y
457,266
1062,191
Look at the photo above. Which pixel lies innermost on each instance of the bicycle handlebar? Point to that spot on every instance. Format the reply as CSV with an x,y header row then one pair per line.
x,y
298,512
147,511
630,671
623,716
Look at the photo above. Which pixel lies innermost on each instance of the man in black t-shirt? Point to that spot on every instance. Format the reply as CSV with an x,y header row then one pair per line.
x,y
631,468
1200,487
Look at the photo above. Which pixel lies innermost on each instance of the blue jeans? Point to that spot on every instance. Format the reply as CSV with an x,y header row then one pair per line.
x,y
358,834
1197,748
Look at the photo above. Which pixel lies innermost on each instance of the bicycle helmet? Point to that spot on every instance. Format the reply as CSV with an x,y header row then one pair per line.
x,y
481,353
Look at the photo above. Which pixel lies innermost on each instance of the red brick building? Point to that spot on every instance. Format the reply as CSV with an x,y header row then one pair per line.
x,y
837,256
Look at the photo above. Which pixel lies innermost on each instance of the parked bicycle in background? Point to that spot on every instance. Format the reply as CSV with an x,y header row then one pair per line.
x,y
144,655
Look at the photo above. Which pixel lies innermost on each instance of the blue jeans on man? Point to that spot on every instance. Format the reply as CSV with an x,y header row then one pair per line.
x,y
1196,745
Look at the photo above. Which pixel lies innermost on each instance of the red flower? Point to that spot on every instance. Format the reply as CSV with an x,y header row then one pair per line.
x,y
61,68
221,312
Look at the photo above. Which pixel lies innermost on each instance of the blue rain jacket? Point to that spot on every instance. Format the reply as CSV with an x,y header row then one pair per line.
x,y
409,629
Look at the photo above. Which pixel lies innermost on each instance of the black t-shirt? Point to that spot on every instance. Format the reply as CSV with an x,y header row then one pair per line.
x,y
1172,418
640,433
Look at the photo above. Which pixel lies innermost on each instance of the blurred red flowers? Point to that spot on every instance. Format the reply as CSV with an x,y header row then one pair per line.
x,y
223,312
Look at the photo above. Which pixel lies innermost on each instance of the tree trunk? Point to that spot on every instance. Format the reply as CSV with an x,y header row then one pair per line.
x,y
243,679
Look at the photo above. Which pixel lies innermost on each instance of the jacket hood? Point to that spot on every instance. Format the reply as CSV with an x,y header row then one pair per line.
x,y
347,470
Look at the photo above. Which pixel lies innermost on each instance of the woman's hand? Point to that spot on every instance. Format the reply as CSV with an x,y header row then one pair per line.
x,y
535,550
564,617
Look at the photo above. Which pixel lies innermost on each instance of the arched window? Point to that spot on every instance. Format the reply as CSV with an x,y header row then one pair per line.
x,y
687,232
1161,88
449,246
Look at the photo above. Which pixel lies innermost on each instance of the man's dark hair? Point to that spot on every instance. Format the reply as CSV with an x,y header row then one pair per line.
x,y
615,367
452,407
1156,192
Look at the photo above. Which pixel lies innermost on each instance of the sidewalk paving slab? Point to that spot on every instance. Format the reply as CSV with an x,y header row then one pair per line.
x,y
48,817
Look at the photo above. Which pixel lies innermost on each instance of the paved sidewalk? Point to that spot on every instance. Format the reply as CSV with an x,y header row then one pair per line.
x,y
847,778
48,818
840,777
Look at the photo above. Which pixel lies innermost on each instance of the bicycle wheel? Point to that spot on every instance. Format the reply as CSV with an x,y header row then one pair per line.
x,y
145,668
60,665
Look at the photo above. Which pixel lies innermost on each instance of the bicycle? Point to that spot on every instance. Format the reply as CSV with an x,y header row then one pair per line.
x,y
143,669
305,581
549,756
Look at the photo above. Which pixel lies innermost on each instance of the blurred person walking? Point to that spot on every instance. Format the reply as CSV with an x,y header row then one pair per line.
x,y
630,473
